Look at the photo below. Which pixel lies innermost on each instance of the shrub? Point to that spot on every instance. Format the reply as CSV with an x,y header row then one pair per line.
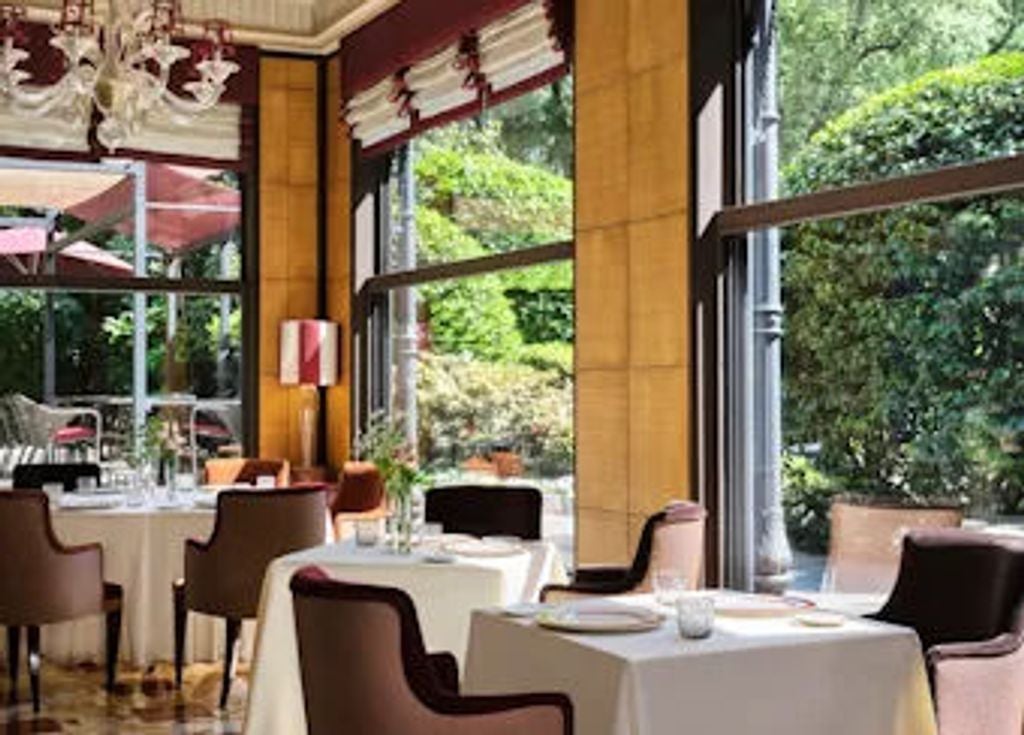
x,y
806,499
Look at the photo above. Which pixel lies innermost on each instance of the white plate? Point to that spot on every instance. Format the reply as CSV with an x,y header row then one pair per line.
x,y
746,605
600,618
74,501
526,609
821,619
482,548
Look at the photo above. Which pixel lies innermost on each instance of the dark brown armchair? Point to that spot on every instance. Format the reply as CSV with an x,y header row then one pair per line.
x,y
672,538
224,576
43,582
486,510
963,593
369,638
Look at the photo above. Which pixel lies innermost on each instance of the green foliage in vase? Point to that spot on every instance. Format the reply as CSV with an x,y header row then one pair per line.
x,y
384,444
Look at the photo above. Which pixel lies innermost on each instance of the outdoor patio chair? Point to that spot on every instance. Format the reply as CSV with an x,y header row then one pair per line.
x,y
866,535
672,538
486,510
34,476
45,426
243,471
44,582
369,638
963,592
224,575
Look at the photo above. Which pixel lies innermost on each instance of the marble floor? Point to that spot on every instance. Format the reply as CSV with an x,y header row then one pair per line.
x,y
145,703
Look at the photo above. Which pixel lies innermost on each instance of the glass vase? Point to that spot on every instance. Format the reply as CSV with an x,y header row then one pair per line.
x,y
401,524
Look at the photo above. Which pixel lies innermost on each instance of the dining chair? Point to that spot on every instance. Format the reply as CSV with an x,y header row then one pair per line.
x,y
360,497
245,471
486,510
224,575
369,638
672,538
34,476
866,535
963,593
44,582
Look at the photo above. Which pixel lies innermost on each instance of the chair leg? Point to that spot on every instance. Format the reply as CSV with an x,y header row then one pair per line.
x,y
13,661
230,644
113,602
33,664
180,620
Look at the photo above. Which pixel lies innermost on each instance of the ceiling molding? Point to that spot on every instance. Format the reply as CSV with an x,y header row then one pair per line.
x,y
324,41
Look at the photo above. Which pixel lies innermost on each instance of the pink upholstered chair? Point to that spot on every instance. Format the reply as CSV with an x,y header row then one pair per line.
x,y
44,582
963,593
672,538
365,671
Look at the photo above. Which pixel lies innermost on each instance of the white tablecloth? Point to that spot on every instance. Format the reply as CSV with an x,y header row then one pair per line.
x,y
752,676
144,552
444,594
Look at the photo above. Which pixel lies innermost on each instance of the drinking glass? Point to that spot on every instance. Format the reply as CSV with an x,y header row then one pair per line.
x,y
668,585
367,533
53,491
86,485
266,482
695,615
431,534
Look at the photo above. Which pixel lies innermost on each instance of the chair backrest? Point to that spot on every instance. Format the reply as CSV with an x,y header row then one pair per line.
x,y
34,476
245,471
486,510
40,581
252,529
957,586
866,537
362,488
671,539
369,638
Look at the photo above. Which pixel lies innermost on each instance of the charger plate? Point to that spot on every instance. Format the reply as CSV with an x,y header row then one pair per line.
x,y
599,618
486,548
746,605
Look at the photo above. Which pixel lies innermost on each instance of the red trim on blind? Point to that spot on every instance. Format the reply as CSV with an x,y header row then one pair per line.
x,y
410,32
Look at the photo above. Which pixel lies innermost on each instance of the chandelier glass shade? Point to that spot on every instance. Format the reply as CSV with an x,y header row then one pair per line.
x,y
120,68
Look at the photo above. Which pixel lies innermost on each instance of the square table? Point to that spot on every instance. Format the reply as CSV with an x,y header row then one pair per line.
x,y
444,595
769,675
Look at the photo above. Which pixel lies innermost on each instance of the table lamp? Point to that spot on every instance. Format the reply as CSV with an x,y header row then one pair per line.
x,y
309,358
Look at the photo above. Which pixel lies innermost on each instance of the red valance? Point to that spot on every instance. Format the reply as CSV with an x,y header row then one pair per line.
x,y
428,62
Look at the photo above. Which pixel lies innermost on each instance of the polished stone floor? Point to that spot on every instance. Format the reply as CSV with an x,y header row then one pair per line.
x,y
145,703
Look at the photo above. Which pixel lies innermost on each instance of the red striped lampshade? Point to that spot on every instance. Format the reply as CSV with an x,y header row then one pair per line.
x,y
309,352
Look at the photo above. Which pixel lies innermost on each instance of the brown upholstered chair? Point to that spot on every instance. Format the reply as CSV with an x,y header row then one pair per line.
x,y
370,639
43,582
672,538
486,510
224,576
242,471
360,497
866,535
963,593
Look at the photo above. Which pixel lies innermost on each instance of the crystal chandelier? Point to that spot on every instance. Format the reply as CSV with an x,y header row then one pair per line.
x,y
122,69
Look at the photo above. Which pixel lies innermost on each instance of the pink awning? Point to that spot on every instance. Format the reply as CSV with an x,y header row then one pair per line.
x,y
175,231
22,250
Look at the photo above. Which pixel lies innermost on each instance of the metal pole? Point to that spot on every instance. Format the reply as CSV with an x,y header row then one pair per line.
x,y
139,377
405,298
49,320
223,330
773,558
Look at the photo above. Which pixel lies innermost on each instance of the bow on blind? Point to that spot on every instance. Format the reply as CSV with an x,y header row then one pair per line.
x,y
524,48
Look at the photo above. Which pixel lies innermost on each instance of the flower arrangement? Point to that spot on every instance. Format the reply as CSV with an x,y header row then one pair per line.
x,y
384,443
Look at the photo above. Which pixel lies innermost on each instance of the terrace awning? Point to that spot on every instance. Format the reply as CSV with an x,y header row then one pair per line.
x,y
169,190
22,250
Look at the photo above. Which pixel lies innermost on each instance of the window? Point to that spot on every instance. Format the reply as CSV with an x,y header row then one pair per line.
x,y
471,305
124,284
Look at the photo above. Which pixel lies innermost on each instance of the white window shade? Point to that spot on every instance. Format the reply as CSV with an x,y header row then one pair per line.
x,y
511,51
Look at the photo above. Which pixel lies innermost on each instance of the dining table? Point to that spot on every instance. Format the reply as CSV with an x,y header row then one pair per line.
x,y
445,588
144,552
754,674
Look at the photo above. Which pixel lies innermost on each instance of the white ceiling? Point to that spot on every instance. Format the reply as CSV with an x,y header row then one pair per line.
x,y
313,26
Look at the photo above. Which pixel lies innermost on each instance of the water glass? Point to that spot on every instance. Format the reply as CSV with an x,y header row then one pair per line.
x,y
431,534
86,485
668,585
53,491
367,533
695,615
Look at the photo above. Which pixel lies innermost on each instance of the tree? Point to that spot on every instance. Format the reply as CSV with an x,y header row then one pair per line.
x,y
834,54
904,355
